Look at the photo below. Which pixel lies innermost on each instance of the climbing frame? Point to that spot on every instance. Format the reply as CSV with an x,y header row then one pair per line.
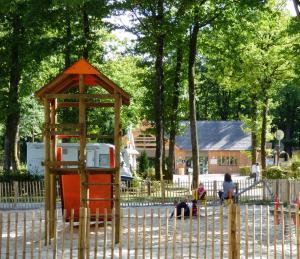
x,y
54,96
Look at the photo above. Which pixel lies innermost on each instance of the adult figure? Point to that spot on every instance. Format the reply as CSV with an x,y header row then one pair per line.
x,y
254,171
258,172
179,206
228,187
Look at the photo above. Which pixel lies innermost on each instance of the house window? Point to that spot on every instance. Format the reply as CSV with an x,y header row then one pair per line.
x,y
103,160
227,160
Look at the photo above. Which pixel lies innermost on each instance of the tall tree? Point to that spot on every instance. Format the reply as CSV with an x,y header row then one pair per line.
x,y
159,87
297,7
192,101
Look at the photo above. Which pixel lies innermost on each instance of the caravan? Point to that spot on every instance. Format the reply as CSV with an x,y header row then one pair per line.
x,y
98,155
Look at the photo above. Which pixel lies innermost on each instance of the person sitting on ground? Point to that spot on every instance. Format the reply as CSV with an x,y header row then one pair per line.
x,y
201,192
179,207
194,207
228,187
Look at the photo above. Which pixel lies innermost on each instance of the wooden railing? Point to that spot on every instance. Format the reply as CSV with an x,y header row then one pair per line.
x,y
215,232
24,194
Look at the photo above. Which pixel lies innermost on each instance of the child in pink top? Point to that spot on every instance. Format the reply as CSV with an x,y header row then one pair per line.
x,y
201,192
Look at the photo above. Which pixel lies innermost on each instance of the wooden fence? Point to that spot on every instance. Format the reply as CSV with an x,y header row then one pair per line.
x,y
31,194
216,232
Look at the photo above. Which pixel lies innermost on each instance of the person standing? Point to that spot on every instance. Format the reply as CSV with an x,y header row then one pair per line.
x,y
254,171
258,172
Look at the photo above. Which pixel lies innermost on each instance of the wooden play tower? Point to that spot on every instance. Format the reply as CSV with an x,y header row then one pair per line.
x,y
71,89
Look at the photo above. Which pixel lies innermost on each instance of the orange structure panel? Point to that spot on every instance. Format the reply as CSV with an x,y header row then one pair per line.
x,y
70,185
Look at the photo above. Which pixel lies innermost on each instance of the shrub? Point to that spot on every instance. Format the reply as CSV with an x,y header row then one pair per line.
x,y
136,181
151,173
295,165
143,162
275,172
19,176
245,170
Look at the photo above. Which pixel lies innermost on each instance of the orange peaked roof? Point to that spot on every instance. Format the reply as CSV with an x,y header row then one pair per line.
x,y
70,78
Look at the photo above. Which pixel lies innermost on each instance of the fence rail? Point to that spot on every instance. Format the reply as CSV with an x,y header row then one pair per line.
x,y
31,194
216,232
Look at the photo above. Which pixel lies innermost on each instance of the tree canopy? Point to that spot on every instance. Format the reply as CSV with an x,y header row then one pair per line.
x,y
186,60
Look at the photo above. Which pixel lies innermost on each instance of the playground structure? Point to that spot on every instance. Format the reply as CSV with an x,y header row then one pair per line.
x,y
99,188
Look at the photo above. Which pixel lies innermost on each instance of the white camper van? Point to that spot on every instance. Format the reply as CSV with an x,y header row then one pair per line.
x,y
97,155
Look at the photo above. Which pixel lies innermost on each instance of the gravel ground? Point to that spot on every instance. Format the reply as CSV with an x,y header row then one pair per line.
x,y
154,236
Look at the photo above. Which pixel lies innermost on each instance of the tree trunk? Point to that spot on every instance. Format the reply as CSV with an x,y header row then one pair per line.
x,y
297,7
86,32
174,115
254,130
289,125
13,106
254,147
192,102
264,132
68,39
15,152
164,154
158,91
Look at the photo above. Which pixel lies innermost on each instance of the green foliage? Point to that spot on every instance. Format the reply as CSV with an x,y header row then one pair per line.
x,y
19,176
245,170
143,162
151,174
276,172
136,181
295,166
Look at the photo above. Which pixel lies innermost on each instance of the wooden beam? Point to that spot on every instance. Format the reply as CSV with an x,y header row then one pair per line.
x,y
64,171
101,170
53,148
83,175
107,84
61,163
99,136
90,105
47,171
64,126
117,142
65,132
78,96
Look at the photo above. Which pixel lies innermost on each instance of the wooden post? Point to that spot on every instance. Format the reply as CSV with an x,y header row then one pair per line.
x,y
117,178
82,171
289,196
236,197
162,183
215,189
47,171
53,147
264,190
233,254
277,187
16,192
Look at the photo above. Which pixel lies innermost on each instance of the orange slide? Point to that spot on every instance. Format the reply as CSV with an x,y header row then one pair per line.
x,y
70,191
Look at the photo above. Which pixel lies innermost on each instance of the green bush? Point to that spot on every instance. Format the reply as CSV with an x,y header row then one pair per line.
x,y
295,165
143,162
275,172
245,170
19,176
151,173
136,181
